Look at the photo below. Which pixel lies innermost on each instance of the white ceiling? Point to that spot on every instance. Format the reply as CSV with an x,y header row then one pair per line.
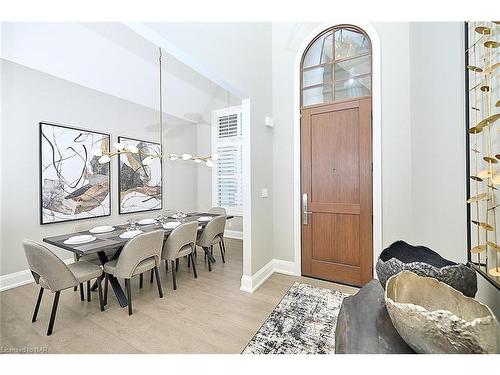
x,y
112,58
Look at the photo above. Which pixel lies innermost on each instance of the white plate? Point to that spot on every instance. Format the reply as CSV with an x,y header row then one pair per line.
x,y
76,240
171,225
80,238
146,221
205,218
102,229
130,234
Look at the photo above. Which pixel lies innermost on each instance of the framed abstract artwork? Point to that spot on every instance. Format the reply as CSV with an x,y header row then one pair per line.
x,y
140,186
73,185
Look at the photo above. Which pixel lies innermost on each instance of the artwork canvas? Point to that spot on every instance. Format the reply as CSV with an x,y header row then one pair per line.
x,y
140,185
73,185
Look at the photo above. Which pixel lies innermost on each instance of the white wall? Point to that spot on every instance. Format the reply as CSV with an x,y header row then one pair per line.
x,y
30,96
438,144
241,54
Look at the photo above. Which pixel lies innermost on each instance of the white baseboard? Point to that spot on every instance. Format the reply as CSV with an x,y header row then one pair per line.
x,y
20,278
285,267
235,234
250,284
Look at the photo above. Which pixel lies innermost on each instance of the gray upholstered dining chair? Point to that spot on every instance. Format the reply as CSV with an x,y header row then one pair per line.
x,y
140,254
217,210
180,243
213,234
53,274
91,258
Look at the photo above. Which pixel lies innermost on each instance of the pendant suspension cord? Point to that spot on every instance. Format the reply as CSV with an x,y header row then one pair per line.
x,y
161,108
161,123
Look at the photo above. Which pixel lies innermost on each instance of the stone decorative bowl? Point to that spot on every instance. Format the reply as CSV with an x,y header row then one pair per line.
x,y
401,256
432,317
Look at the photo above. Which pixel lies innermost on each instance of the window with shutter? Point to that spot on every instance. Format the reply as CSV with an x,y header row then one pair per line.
x,y
226,141
228,126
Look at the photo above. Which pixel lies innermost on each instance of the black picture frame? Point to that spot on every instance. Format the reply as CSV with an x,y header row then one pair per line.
x,y
470,263
120,212
41,124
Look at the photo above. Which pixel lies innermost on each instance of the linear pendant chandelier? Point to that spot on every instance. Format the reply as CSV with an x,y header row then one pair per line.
x,y
105,157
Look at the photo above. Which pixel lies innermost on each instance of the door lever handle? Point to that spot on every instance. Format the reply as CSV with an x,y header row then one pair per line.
x,y
305,212
305,217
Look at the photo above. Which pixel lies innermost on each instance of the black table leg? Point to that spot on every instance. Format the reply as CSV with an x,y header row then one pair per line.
x,y
117,288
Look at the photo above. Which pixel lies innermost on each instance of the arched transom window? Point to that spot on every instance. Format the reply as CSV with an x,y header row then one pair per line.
x,y
336,66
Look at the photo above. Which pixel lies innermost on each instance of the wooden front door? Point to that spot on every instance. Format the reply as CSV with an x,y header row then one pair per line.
x,y
336,179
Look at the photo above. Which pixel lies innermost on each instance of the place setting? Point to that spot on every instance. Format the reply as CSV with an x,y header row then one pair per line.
x,y
132,229
171,224
205,219
147,221
102,229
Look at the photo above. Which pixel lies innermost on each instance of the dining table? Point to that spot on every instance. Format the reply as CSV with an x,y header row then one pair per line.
x,y
112,241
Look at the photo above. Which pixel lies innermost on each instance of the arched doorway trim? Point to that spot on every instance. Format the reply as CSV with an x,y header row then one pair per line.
x,y
370,30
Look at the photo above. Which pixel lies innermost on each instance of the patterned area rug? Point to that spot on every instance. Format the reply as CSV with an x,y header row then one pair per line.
x,y
302,323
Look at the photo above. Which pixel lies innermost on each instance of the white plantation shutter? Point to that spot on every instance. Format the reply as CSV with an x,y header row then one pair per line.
x,y
227,171
228,126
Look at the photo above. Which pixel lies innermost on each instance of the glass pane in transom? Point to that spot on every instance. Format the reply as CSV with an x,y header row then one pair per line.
x,y
353,88
352,67
321,52
315,76
349,42
317,95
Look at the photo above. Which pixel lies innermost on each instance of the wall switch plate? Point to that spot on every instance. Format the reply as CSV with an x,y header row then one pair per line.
x,y
264,193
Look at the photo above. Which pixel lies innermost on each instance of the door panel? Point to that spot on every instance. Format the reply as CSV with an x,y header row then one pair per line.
x,y
336,176
335,173
335,238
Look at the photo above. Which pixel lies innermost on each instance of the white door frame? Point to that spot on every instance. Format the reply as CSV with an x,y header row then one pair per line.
x,y
376,139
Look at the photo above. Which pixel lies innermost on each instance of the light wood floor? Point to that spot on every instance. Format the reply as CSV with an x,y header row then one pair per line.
x,y
206,315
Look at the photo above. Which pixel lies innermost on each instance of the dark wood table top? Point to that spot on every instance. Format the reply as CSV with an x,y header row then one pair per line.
x,y
112,240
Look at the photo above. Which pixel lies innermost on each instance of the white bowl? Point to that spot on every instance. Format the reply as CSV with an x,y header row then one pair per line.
x,y
171,225
205,218
102,229
146,221
130,234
